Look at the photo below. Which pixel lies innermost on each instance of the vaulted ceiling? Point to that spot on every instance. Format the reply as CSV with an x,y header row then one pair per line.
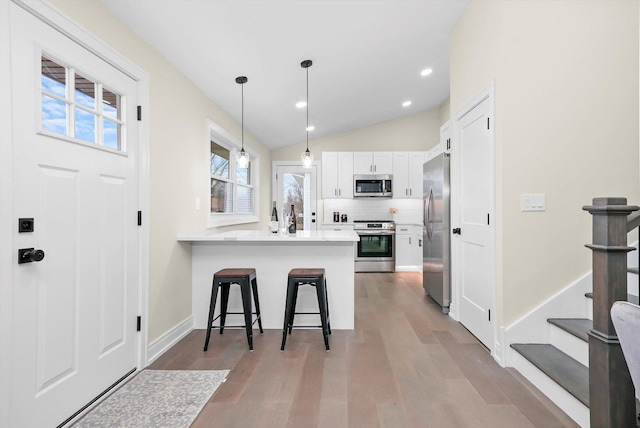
x,y
367,57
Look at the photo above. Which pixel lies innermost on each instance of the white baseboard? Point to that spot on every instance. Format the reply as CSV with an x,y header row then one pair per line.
x,y
167,340
408,269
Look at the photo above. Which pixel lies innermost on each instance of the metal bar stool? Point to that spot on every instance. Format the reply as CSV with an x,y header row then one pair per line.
x,y
246,279
313,277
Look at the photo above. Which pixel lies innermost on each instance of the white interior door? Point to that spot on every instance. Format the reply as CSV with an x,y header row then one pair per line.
x,y
297,186
473,217
74,162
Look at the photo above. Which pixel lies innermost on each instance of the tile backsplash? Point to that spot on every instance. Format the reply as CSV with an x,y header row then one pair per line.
x,y
408,211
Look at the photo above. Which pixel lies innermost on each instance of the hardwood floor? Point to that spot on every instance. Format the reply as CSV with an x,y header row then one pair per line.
x,y
406,364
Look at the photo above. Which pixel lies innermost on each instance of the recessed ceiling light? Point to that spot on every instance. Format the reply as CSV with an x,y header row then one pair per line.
x,y
301,104
311,128
406,104
426,72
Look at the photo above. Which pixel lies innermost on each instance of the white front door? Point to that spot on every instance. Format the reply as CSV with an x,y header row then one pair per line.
x,y
295,185
74,161
474,260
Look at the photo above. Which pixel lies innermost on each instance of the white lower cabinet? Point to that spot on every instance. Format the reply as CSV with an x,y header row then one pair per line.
x,y
417,249
408,248
337,226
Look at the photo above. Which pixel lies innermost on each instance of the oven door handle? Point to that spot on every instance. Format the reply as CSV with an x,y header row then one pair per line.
x,y
374,232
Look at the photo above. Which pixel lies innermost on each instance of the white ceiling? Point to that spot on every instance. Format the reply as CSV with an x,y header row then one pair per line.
x,y
367,57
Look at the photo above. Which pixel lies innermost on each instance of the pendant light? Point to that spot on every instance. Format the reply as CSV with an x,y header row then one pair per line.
x,y
307,156
242,157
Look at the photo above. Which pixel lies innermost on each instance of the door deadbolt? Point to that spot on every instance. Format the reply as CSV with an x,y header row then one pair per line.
x,y
456,231
28,255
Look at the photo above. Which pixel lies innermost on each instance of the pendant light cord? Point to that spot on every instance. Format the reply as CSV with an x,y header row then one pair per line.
x,y
307,109
242,115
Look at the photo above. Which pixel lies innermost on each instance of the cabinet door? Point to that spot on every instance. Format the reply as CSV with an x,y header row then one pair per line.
x,y
329,175
417,247
403,251
414,174
363,163
383,162
445,137
400,175
345,175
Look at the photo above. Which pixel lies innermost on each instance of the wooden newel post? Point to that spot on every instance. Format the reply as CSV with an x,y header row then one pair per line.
x,y
611,393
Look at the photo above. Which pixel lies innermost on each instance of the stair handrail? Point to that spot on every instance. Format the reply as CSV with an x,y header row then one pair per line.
x,y
633,221
611,392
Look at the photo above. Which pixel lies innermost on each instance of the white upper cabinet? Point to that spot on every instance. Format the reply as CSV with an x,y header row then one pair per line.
x,y
445,137
337,175
407,174
373,163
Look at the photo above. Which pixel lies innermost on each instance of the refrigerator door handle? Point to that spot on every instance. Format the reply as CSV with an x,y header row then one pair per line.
x,y
428,224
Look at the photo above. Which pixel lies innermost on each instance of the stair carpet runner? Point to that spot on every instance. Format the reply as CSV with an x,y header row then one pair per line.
x,y
560,367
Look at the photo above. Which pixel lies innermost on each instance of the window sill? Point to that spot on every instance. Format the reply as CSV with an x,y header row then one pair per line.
x,y
230,219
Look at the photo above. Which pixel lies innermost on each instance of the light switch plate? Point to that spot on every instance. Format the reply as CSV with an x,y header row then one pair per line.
x,y
532,202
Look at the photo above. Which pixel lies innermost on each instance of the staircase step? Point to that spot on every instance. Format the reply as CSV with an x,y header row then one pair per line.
x,y
564,370
630,298
579,327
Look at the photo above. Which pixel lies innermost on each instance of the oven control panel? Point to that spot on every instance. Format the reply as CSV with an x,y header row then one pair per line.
x,y
374,225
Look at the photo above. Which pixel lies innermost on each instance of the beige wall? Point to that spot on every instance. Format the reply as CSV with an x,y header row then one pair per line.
x,y
566,79
178,156
417,132
445,111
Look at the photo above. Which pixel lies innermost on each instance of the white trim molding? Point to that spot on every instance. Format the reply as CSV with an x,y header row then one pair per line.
x,y
221,135
169,339
486,94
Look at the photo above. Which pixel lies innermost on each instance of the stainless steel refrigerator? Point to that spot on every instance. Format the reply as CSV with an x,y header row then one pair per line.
x,y
436,256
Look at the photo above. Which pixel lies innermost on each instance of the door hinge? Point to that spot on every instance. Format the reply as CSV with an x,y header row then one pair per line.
x,y
489,314
488,223
139,323
139,218
487,123
139,112
448,143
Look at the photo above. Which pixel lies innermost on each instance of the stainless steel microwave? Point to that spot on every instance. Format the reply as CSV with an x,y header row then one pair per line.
x,y
369,185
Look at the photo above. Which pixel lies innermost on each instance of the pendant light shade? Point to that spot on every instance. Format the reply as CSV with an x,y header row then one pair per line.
x,y
242,157
307,156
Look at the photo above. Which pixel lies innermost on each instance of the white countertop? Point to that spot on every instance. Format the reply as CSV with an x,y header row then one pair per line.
x,y
267,236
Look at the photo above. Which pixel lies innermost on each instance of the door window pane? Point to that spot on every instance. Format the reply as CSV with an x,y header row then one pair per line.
x,y
85,126
111,137
294,194
110,104
53,77
54,115
221,196
219,160
85,93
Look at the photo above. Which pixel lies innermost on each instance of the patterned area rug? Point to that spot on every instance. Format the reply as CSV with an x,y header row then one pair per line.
x,y
156,398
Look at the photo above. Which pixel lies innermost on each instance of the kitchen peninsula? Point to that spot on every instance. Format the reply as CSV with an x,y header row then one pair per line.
x,y
273,256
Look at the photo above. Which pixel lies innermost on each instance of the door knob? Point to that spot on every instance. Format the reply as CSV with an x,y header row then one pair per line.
x,y
28,255
456,231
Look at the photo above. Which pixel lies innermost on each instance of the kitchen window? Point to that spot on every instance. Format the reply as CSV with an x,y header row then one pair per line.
x,y
234,190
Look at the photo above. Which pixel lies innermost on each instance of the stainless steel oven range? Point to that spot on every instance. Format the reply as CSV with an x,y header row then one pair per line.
x,y
376,250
